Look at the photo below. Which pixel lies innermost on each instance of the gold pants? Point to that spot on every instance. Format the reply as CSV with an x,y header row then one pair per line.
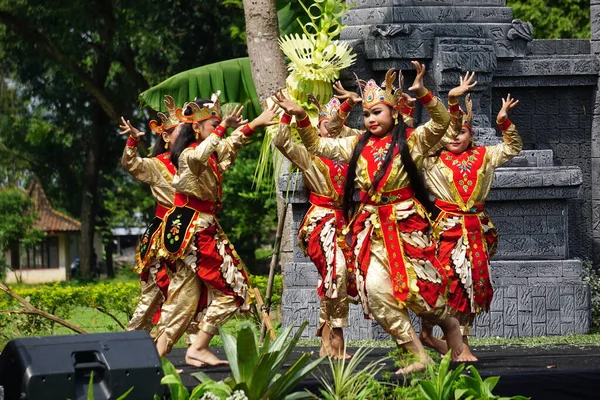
x,y
386,309
181,304
179,313
150,300
334,312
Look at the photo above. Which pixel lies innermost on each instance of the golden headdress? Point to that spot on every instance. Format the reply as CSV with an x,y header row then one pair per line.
x,y
467,119
208,110
167,121
330,108
387,93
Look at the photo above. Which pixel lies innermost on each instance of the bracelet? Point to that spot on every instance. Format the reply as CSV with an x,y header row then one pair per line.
x,y
285,119
305,122
426,98
131,142
345,107
247,130
220,131
505,125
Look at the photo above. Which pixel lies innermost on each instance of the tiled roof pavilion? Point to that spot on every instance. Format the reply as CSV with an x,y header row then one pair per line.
x,y
49,220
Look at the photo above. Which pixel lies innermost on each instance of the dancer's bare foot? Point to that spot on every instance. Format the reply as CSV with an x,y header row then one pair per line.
x,y
431,341
417,366
337,346
161,345
451,329
202,358
466,355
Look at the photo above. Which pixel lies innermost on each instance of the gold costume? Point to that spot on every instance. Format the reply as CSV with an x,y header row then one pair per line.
x,y
211,282
319,235
158,173
466,238
391,232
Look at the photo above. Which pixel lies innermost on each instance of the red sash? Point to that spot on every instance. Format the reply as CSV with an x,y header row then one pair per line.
x,y
203,206
482,287
161,211
391,235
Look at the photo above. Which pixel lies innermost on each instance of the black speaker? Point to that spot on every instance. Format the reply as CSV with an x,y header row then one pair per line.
x,y
60,367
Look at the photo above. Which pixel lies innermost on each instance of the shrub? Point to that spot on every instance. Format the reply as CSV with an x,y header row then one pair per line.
x,y
591,276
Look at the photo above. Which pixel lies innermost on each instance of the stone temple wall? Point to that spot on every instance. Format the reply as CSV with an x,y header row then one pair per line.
x,y
560,119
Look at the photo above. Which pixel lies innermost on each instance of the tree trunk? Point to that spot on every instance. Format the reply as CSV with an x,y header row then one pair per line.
x,y
266,59
109,248
89,205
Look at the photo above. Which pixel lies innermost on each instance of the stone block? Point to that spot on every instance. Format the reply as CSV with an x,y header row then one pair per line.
x,y
513,246
511,281
510,311
553,323
483,320
497,300
496,324
548,246
509,225
511,331
539,310
556,224
582,321
299,274
550,269
552,298
539,329
525,324
535,224
567,308
524,300
538,291
582,297
567,328
572,268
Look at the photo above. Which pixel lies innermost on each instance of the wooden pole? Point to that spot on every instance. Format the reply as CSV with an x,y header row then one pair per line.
x,y
274,263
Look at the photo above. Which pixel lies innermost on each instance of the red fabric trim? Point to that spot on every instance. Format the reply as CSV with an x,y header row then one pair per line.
x,y
426,98
248,131
337,174
285,119
304,123
454,107
203,206
407,110
161,211
391,197
505,125
322,201
465,169
220,131
455,208
131,142
165,158
345,107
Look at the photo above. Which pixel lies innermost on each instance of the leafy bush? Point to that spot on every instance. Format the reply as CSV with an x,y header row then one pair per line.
x,y
591,276
260,282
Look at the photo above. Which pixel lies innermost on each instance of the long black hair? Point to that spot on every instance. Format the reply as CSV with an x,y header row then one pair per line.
x,y
414,175
159,146
187,136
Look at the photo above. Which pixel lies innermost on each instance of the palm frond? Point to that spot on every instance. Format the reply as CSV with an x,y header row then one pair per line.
x,y
232,77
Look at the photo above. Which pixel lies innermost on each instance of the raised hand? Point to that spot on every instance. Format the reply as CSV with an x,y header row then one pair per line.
x,y
466,83
288,105
234,118
345,95
507,104
267,117
128,129
408,100
417,86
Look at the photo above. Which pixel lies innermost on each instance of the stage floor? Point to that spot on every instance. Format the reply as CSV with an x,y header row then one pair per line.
x,y
550,372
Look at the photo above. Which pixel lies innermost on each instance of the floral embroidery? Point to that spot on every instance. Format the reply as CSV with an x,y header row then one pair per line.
x,y
464,167
173,235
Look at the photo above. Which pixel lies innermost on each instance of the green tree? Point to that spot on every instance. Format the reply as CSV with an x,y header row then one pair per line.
x,y
17,219
554,19
82,64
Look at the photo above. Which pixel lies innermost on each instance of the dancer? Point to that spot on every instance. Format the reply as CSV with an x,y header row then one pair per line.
x,y
211,282
156,171
460,177
319,235
390,230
